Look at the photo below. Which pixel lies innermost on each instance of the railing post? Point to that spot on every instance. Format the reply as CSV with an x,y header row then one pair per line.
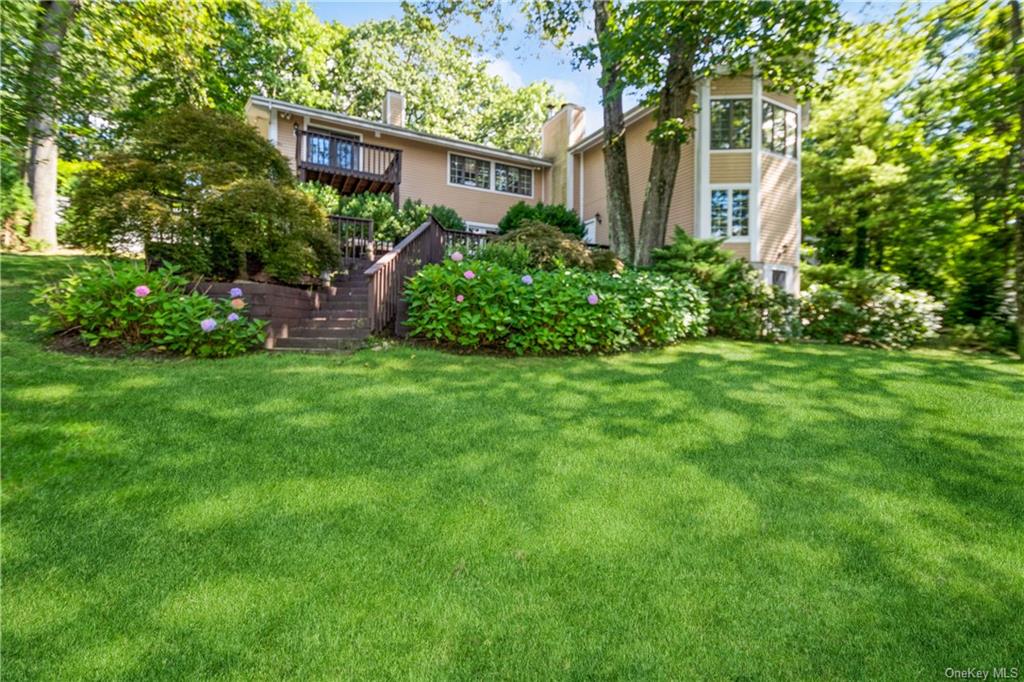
x,y
371,249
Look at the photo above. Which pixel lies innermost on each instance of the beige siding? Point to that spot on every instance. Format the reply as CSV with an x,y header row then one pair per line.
x,y
730,168
740,85
638,156
259,119
577,184
741,249
781,97
424,173
286,136
779,219
594,197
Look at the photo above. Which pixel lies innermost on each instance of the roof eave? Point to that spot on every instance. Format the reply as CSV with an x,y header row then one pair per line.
x,y
398,131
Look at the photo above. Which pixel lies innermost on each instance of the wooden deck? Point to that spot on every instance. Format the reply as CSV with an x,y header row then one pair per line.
x,y
348,165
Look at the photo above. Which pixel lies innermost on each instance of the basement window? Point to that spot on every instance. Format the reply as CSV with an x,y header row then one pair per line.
x,y
469,172
730,124
730,213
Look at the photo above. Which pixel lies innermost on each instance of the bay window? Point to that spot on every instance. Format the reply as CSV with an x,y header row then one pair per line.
x,y
779,130
730,124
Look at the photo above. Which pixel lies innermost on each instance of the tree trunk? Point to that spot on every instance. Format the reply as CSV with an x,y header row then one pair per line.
x,y
616,168
1017,66
673,103
44,79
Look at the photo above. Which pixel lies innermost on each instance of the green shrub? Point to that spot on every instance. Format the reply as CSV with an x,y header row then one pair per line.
x,y
262,230
391,224
840,304
207,184
989,334
512,256
123,306
549,247
16,204
448,218
483,305
605,260
743,306
556,215
325,196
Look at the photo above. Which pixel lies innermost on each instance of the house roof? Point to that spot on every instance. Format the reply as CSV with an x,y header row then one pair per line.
x,y
402,132
594,138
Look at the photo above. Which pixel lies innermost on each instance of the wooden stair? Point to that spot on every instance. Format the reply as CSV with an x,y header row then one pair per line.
x,y
340,323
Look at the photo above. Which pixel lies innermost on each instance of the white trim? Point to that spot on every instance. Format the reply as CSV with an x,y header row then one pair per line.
x,y
749,95
731,151
488,227
570,189
795,280
402,132
703,227
755,170
448,176
272,127
582,186
780,104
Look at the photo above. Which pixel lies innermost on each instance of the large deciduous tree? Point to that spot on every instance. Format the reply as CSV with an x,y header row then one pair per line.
x,y
43,82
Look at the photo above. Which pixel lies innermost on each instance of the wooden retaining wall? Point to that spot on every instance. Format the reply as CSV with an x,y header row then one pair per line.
x,y
279,305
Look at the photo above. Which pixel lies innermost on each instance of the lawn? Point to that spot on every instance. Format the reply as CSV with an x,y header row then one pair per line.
x,y
714,509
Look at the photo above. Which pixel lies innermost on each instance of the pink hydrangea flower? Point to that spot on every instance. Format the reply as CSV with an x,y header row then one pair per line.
x,y
208,325
592,299
460,298
233,317
457,256
469,274
237,303
236,292
527,279
142,291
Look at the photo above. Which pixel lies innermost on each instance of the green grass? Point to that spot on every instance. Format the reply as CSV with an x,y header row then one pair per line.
x,y
714,509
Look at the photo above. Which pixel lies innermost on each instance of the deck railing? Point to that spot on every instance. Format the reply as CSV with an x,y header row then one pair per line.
x,y
340,154
356,239
426,244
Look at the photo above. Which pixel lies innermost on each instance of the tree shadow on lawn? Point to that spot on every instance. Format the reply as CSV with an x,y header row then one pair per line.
x,y
732,509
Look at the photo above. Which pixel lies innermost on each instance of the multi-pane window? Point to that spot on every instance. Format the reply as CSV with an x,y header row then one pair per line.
x,y
331,148
513,179
730,124
779,278
465,170
730,213
778,130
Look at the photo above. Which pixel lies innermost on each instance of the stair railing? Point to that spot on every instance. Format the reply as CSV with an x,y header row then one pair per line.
x,y
426,244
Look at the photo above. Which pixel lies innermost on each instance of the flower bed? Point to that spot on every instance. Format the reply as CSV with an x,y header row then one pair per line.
x,y
485,305
121,306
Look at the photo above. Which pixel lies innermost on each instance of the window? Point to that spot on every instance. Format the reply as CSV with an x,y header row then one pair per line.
x,y
464,170
779,278
730,124
332,148
730,213
590,231
513,179
778,130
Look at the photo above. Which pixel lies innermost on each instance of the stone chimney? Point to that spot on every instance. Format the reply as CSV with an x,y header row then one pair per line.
x,y
394,108
562,130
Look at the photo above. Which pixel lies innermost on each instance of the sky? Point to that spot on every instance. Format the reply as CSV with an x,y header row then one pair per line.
x,y
522,59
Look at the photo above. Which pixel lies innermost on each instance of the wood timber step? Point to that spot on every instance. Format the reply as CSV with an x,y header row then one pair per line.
x,y
321,343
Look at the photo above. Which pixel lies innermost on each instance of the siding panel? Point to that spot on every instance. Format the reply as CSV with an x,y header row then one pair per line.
x,y
778,211
730,168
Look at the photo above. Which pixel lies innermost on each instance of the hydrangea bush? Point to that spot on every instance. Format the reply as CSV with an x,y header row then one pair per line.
x,y
123,306
485,305
840,304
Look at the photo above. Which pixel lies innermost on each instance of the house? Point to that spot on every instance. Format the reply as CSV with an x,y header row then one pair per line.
x,y
738,178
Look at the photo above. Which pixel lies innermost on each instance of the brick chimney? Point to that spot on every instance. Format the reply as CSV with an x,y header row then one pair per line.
x,y
394,108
